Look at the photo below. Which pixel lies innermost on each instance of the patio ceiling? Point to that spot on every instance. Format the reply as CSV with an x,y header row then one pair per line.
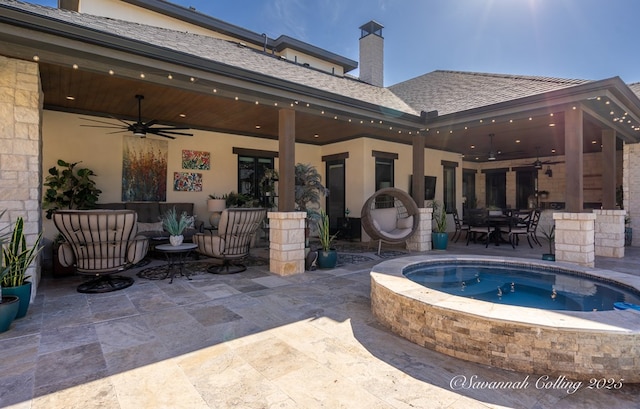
x,y
517,135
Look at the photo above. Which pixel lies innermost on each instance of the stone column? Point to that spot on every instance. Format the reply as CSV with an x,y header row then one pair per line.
x,y
421,240
20,150
574,237
286,242
631,186
609,233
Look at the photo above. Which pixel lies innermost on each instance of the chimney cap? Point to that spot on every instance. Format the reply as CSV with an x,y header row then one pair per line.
x,y
372,27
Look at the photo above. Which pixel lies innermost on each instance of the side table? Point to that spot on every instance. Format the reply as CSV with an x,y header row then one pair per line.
x,y
176,257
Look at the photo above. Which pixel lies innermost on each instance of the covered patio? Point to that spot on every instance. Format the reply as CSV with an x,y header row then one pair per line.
x,y
253,340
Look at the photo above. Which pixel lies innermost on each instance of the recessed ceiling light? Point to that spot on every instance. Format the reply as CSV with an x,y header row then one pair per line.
x,y
258,127
183,115
517,140
71,98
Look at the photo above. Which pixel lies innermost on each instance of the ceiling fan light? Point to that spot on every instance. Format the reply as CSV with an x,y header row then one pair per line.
x,y
140,134
492,156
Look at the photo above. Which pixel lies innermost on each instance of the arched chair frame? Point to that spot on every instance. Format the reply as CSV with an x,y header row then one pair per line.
x,y
409,208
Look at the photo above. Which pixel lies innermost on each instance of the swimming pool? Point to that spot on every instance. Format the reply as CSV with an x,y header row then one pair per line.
x,y
580,345
535,286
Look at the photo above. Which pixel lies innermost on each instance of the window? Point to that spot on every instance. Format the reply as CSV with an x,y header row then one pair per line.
x,y
251,170
384,162
449,185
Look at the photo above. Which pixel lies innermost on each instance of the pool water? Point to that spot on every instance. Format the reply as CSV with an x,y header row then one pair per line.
x,y
522,286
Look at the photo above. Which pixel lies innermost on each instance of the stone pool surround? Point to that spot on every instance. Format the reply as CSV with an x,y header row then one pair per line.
x,y
578,345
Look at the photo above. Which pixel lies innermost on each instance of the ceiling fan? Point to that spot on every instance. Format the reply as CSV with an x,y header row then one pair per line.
x,y
538,163
492,155
140,128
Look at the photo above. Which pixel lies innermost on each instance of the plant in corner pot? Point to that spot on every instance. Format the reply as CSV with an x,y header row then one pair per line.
x,y
9,304
69,188
175,225
327,255
17,257
550,235
308,191
439,236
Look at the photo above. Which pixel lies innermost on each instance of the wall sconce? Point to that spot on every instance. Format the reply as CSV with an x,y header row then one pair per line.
x,y
548,172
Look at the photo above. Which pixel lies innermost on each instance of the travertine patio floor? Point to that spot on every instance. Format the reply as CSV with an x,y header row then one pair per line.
x,y
252,340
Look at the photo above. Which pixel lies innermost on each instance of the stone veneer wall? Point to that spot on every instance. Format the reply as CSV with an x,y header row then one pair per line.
x,y
631,186
609,233
21,148
286,242
575,238
421,239
520,347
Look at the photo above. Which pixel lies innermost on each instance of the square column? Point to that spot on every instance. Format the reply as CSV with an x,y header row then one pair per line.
x,y
631,186
575,238
421,239
609,233
286,242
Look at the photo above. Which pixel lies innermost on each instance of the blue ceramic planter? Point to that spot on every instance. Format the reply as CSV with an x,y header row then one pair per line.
x,y
24,293
440,240
327,259
8,311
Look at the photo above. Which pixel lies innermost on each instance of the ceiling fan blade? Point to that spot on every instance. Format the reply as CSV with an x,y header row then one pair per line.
x,y
114,126
100,122
170,128
168,131
151,123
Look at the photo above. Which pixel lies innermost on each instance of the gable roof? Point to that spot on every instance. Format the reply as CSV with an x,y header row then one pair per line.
x,y
455,91
218,51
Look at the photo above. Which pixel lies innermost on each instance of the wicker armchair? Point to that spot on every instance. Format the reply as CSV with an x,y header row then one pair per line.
x,y
236,229
100,243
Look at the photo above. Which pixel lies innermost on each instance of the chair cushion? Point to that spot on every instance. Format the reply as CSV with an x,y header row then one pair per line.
x,y
405,223
384,219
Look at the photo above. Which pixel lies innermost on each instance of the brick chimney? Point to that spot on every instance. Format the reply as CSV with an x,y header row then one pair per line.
x,y
372,53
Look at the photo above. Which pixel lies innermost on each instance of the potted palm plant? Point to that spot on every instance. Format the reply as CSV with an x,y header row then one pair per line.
x,y
175,225
327,255
17,258
439,236
308,192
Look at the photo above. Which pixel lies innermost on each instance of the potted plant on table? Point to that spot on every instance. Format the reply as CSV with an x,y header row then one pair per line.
x,y
327,255
439,236
175,225
17,258
550,235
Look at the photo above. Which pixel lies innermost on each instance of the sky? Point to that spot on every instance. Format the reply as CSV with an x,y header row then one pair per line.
x,y
576,39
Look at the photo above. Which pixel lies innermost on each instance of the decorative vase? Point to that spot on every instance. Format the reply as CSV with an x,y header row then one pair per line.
x,y
8,311
176,240
439,240
216,206
327,259
23,292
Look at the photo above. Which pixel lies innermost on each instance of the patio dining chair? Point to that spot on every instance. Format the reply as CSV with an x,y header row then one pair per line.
x,y
527,225
479,225
460,226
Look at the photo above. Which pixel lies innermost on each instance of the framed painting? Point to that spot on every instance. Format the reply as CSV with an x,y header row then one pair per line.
x,y
196,160
144,169
187,182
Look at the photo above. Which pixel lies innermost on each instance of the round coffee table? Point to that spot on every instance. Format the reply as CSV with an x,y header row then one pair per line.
x,y
176,257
